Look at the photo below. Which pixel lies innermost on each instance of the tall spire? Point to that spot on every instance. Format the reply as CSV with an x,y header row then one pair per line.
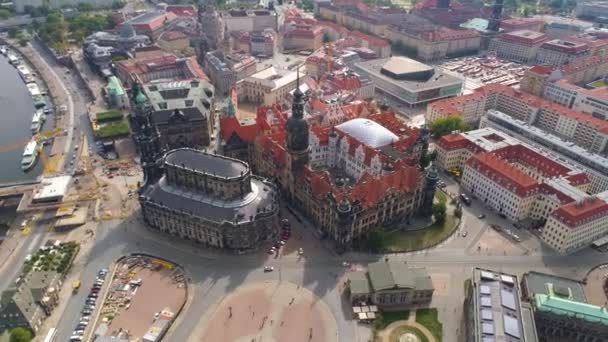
x,y
297,107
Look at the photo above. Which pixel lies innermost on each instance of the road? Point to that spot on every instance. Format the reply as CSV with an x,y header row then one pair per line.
x,y
319,271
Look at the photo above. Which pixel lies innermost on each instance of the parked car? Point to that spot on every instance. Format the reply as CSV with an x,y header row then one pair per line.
x,y
272,250
300,251
268,268
481,216
465,233
465,199
282,242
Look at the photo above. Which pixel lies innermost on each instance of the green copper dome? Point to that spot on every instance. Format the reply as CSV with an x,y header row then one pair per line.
x,y
140,98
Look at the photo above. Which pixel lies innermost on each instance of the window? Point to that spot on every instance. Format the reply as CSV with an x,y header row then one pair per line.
x,y
162,105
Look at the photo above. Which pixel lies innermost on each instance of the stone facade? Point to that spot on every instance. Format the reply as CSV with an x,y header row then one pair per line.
x,y
212,200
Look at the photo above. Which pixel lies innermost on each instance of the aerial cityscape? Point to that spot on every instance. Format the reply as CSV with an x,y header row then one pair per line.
x,y
304,171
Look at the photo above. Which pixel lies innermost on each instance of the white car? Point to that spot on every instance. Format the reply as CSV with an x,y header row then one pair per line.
x,y
300,251
345,264
268,268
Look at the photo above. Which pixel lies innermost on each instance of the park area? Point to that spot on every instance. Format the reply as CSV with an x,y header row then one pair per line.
x,y
420,325
407,239
143,293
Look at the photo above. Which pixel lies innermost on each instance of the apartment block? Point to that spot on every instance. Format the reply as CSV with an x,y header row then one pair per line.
x,y
520,46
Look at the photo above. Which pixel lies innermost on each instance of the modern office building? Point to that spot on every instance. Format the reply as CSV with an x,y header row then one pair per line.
x,y
408,82
592,9
493,310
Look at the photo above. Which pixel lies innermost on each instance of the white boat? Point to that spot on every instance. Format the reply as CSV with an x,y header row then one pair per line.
x,y
37,121
30,155
13,59
33,89
25,74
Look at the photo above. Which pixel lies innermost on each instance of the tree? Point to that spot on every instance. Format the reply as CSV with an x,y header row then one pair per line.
x,y
20,335
23,41
85,7
425,160
13,32
4,13
458,212
447,125
439,212
375,240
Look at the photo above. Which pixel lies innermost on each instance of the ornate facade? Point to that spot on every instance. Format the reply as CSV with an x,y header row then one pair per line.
x,y
344,195
209,199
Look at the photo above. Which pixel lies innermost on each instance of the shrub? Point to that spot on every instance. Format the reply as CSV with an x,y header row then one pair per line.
x,y
113,130
112,115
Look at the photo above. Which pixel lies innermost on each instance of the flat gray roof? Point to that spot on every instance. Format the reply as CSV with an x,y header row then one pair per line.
x,y
438,80
542,283
207,163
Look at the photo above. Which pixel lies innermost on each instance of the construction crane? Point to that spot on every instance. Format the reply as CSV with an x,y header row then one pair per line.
x,y
40,137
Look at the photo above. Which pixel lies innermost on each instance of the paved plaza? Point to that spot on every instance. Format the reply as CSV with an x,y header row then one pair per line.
x,y
269,311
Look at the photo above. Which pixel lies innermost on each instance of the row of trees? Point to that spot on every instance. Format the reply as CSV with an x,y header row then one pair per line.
x,y
447,125
56,30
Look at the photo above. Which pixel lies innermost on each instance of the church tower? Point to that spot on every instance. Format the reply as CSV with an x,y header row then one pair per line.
x,y
146,136
296,140
431,180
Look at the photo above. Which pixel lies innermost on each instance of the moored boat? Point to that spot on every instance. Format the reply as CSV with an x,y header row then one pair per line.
x,y
37,121
30,155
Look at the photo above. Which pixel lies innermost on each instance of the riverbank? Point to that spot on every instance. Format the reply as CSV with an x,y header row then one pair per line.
x,y
60,98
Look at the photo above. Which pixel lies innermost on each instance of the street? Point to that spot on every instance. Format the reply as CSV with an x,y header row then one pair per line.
x,y
214,274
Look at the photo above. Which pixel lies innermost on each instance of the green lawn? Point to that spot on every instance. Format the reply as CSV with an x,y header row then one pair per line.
x,y
441,196
388,317
395,334
403,241
109,116
598,84
428,318
112,130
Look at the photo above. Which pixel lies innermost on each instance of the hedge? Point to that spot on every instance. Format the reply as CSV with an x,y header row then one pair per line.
x,y
113,130
111,115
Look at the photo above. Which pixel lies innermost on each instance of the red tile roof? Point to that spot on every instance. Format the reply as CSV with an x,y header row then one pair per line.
x,y
453,142
506,175
576,214
182,10
369,190
173,35
231,125
373,41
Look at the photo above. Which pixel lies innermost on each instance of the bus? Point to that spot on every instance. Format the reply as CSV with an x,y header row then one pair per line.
x,y
51,336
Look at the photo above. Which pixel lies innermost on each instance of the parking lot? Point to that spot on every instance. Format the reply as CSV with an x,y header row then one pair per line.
x,y
478,71
140,290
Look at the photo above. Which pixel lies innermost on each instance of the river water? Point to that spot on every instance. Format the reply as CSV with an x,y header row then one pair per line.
x,y
16,111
